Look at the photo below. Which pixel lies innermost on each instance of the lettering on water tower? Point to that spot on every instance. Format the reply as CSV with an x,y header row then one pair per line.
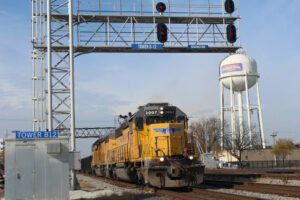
x,y
236,67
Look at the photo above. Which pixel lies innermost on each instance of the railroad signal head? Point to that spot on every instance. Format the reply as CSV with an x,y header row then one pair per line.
x,y
161,7
229,6
162,32
231,33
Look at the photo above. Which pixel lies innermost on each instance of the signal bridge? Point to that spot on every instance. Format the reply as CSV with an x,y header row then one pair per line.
x,y
65,29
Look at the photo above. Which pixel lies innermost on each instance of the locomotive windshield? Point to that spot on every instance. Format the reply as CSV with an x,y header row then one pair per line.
x,y
162,113
158,119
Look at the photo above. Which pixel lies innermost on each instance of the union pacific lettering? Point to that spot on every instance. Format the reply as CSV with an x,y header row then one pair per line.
x,y
236,67
168,130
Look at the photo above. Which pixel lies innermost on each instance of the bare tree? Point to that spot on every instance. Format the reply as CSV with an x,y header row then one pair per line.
x,y
282,148
206,133
241,142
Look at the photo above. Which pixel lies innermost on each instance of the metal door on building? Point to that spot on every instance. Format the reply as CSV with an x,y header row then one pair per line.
x,y
25,171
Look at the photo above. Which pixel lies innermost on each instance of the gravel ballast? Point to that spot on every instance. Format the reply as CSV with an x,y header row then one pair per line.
x,y
96,189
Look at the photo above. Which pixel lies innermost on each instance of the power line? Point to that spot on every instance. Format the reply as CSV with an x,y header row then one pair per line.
x,y
3,119
80,121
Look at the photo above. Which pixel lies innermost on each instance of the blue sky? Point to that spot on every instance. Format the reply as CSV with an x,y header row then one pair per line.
x,y
111,84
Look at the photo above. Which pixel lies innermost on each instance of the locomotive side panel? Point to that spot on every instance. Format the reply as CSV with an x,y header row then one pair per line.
x,y
96,152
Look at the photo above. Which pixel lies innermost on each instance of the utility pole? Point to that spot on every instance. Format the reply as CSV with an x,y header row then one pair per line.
x,y
273,135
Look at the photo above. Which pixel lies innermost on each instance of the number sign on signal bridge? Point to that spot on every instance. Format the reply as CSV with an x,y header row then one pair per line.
x,y
147,46
36,134
198,46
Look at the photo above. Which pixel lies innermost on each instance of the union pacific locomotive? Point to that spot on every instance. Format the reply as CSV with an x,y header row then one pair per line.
x,y
150,147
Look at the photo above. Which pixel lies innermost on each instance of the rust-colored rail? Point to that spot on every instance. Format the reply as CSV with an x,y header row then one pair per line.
x,y
222,195
179,195
270,189
282,190
194,194
291,174
202,194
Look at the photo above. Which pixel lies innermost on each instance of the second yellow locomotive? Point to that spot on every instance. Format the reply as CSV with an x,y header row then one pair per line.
x,y
150,147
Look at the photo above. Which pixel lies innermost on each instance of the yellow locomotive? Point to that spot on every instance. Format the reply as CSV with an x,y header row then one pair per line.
x,y
150,147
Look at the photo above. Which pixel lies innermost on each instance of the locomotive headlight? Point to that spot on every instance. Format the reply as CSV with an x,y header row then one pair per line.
x,y
191,157
161,108
161,112
161,159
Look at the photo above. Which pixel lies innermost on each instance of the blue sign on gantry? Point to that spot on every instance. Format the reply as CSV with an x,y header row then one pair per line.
x,y
147,46
198,46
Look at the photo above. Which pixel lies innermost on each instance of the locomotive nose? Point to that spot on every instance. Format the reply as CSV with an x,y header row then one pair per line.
x,y
167,128
167,139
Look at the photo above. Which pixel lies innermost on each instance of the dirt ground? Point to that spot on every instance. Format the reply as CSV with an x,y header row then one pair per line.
x,y
1,194
92,189
85,185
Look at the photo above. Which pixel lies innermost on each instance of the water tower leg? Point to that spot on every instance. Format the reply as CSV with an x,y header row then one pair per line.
x,y
248,111
72,97
222,114
261,126
232,114
241,115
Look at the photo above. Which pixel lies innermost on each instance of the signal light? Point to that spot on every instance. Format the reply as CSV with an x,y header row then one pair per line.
x,y
162,32
231,33
161,7
229,6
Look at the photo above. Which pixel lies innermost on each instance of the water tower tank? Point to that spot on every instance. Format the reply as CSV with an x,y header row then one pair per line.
x,y
235,67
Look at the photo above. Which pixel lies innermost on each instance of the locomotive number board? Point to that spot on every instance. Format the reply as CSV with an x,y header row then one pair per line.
x,y
159,112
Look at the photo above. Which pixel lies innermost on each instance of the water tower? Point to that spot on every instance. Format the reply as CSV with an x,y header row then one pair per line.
x,y
238,74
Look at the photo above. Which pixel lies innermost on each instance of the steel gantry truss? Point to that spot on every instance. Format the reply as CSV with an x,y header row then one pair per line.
x,y
111,26
58,88
95,132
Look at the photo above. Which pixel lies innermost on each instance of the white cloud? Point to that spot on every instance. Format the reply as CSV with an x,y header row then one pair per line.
x,y
12,97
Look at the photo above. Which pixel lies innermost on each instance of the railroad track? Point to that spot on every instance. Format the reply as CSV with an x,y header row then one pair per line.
x,y
179,194
274,174
113,182
222,195
282,190
202,194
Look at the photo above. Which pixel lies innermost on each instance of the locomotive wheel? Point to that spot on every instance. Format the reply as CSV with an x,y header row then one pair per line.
x,y
115,175
162,181
141,181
